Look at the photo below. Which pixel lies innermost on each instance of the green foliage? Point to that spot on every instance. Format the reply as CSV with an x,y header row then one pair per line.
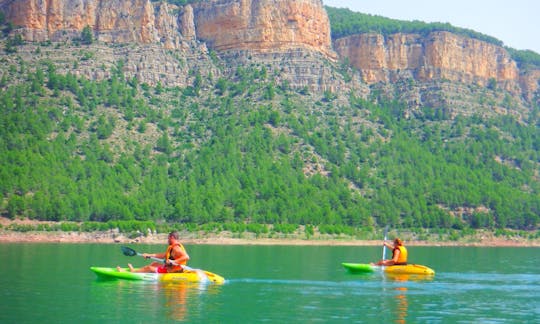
x,y
12,43
87,36
285,228
525,58
242,153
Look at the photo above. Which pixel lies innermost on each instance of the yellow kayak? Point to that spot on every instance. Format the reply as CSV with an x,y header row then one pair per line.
x,y
193,275
416,269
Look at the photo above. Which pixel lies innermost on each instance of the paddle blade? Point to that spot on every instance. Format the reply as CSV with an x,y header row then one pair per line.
x,y
128,251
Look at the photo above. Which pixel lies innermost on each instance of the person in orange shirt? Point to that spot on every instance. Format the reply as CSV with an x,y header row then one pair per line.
x,y
399,254
175,257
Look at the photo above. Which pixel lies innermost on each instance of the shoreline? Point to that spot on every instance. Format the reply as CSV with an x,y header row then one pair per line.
x,y
480,238
37,237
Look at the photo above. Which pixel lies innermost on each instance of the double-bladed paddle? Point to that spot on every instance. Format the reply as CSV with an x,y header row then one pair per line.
x,y
384,247
130,252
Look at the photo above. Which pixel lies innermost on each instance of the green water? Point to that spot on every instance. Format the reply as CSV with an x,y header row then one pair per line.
x,y
51,283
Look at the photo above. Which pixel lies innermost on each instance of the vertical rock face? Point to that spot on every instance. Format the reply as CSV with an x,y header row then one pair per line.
x,y
137,21
285,27
223,24
441,55
187,25
264,25
530,83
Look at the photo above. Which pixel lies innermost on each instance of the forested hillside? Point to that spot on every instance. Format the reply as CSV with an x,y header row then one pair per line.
x,y
245,148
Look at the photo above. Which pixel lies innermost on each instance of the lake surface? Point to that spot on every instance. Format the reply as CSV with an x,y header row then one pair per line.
x,y
52,283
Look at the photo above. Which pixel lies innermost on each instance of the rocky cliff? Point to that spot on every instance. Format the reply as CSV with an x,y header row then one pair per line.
x,y
293,36
267,25
223,24
439,56
112,21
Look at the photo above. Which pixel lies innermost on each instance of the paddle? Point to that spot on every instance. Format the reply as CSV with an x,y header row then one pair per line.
x,y
130,252
384,247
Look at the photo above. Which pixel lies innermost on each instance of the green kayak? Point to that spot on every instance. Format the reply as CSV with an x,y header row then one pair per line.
x,y
358,267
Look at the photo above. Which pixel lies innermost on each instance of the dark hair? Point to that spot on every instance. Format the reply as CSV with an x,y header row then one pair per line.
x,y
174,234
398,241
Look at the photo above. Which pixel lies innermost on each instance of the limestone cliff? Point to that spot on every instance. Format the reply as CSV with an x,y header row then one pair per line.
x,y
291,35
264,25
439,56
224,24
120,21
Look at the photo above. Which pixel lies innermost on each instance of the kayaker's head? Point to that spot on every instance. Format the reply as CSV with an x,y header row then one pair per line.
x,y
398,242
173,237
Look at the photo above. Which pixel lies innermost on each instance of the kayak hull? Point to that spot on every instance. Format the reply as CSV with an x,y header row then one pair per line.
x,y
358,267
416,269
186,276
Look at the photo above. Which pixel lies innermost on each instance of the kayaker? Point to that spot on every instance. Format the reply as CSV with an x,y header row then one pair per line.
x,y
399,254
174,257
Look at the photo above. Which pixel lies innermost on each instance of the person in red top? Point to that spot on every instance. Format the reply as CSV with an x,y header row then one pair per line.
x,y
174,257
399,254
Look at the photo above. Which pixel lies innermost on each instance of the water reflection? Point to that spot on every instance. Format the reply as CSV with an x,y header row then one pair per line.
x,y
402,304
176,300
180,298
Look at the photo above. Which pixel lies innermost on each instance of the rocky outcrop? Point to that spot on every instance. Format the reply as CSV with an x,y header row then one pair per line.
x,y
264,25
291,36
258,25
439,56
120,21
530,84
294,35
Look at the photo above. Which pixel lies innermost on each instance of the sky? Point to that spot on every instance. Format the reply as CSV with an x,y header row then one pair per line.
x,y
515,22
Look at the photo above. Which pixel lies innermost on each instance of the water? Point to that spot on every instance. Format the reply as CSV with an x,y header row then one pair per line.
x,y
271,284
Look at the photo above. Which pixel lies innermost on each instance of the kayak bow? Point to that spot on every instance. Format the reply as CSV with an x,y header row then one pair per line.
x,y
186,276
358,267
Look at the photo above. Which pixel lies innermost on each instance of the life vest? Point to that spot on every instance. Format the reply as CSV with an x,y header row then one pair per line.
x,y
402,258
168,256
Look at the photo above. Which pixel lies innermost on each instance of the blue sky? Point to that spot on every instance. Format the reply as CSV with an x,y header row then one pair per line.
x,y
515,22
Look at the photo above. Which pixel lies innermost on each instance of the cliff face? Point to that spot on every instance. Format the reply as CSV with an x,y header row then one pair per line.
x,y
297,31
121,21
440,56
292,36
224,24
264,25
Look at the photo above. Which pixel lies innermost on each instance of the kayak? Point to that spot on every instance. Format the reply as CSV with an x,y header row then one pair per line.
x,y
186,276
415,269
358,267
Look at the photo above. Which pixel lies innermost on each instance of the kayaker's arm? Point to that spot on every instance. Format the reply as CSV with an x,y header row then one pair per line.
x,y
154,255
395,257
